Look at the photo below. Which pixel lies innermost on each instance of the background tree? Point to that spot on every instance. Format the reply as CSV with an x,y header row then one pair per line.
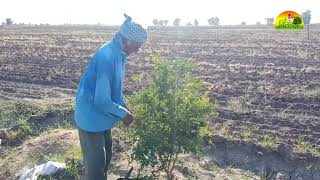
x,y
160,23
213,21
176,22
243,23
165,22
171,115
306,16
189,24
196,23
155,22
9,21
269,21
258,23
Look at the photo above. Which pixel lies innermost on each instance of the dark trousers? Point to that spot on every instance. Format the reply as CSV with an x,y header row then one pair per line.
x,y
97,151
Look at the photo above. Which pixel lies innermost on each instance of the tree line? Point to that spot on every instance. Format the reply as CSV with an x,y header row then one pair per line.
x,y
215,21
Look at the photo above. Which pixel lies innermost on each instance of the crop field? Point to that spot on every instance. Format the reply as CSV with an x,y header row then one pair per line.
x,y
267,82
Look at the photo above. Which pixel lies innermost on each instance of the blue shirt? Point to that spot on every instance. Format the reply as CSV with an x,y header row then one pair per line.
x,y
99,101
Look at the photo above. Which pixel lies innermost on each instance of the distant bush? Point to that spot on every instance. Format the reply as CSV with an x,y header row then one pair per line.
x,y
269,21
157,22
196,23
306,16
9,21
16,119
213,21
176,22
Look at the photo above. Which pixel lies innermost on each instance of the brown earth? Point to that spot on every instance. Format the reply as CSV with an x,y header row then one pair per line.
x,y
278,72
263,79
60,141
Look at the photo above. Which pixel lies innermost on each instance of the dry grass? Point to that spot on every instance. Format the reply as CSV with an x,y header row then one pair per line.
x,y
58,144
51,142
302,146
307,91
239,104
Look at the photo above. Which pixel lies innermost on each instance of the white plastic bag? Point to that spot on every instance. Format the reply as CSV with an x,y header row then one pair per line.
x,y
49,168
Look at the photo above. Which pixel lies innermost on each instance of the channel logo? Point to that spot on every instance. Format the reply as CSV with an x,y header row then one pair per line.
x,y
289,20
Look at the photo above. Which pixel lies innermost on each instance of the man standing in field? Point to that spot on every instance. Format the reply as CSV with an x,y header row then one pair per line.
x,y
100,102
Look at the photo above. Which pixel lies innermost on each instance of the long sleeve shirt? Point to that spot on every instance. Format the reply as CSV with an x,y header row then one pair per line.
x,y
99,101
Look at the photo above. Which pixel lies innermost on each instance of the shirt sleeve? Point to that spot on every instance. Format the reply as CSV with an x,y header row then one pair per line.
x,y
102,99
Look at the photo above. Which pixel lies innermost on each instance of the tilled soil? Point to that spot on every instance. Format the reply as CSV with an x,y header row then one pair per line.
x,y
275,74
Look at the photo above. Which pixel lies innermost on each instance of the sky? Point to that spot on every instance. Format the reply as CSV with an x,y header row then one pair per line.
x,y
230,12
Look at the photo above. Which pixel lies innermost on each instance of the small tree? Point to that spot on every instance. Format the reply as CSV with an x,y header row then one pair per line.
x,y
189,24
9,21
306,16
155,22
165,22
196,23
213,21
269,21
176,22
170,116
258,23
243,23
160,23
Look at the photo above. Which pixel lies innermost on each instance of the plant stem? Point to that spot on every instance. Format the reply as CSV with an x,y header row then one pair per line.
x,y
175,159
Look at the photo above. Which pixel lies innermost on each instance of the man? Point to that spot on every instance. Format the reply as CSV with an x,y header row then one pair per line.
x,y
100,102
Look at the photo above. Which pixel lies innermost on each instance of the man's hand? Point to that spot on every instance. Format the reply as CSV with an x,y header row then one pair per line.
x,y
128,119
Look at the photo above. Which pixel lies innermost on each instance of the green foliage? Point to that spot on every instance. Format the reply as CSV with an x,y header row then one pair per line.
x,y
16,116
137,77
239,104
65,119
11,111
248,133
21,131
40,157
302,145
267,141
73,171
170,114
74,167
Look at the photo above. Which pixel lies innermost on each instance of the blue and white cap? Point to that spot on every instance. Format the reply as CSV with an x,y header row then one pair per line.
x,y
133,31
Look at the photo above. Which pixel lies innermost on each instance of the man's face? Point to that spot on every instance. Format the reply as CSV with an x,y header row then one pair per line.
x,y
131,47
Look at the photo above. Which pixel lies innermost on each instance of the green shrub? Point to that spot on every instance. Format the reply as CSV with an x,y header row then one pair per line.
x,y
22,131
170,115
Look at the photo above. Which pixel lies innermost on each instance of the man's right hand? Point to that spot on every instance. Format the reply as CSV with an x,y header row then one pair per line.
x,y
128,119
